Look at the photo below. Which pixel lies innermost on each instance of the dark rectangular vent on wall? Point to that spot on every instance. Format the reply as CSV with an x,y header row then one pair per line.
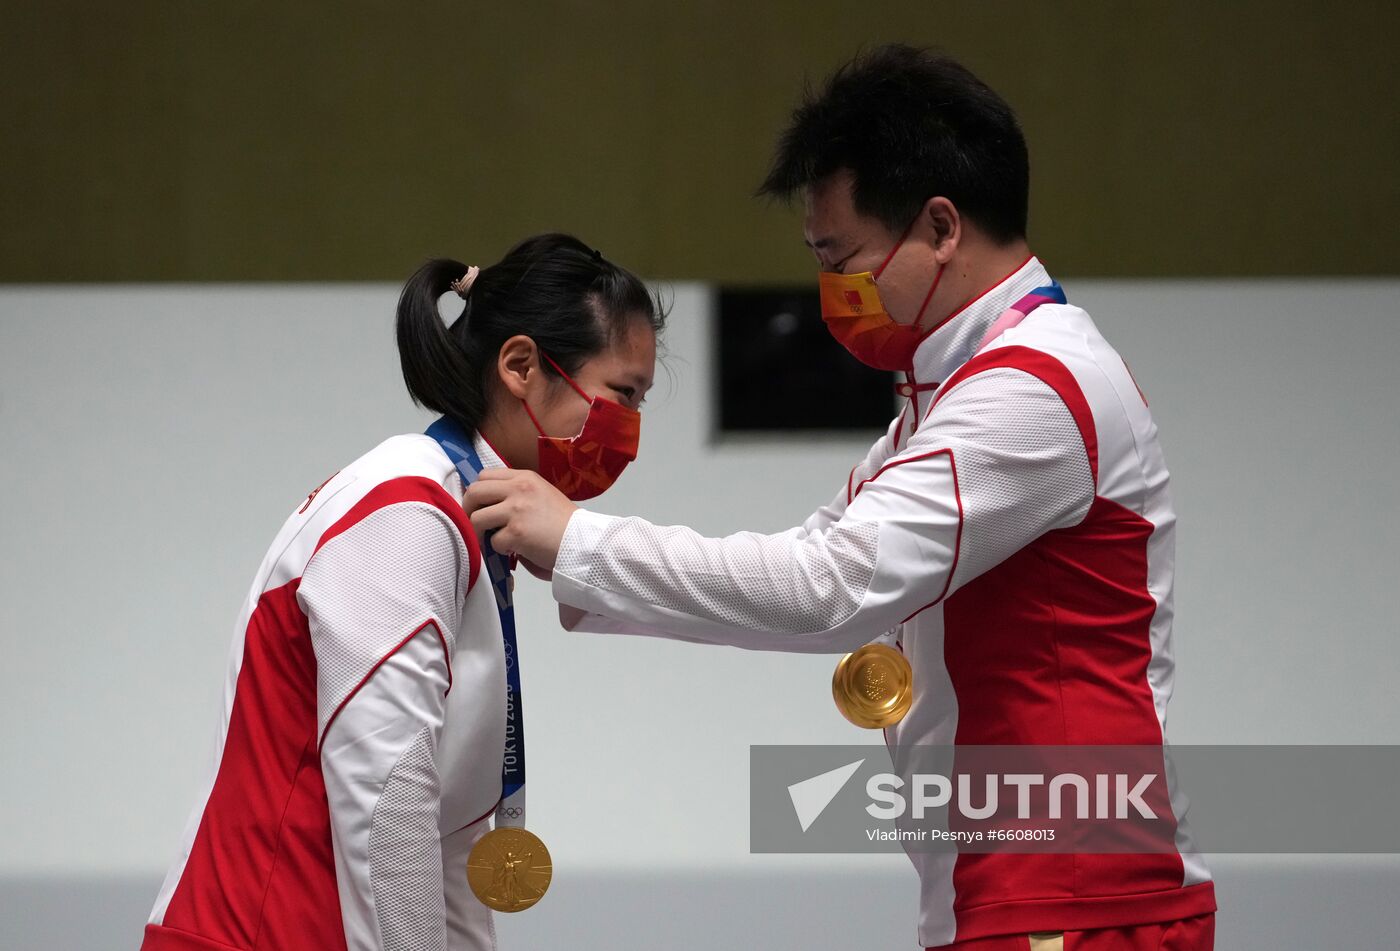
x,y
780,370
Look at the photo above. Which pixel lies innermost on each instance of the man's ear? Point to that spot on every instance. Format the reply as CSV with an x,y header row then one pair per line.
x,y
945,226
518,366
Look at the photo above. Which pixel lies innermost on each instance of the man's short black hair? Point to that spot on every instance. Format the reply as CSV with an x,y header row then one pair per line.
x,y
910,124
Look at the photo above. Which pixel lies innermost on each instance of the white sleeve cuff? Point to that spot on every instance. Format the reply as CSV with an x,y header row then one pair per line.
x,y
581,537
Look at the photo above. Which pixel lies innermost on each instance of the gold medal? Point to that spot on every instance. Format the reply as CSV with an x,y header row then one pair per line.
x,y
873,686
509,869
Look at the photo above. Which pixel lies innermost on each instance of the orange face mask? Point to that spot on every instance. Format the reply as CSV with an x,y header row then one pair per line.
x,y
856,316
586,465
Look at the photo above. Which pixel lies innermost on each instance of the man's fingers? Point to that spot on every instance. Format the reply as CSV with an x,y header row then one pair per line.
x,y
500,475
504,541
527,515
544,574
481,494
489,518
522,480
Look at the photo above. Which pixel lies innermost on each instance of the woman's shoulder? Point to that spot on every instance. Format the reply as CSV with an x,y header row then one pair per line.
x,y
406,456
406,482
408,468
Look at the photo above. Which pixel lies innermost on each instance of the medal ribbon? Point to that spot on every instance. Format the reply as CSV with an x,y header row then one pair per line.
x,y
1052,293
510,811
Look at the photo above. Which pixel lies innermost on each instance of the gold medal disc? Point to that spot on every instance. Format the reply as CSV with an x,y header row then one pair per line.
x,y
873,686
509,869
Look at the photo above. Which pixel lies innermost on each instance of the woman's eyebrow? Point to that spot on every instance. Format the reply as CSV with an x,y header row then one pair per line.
x,y
641,381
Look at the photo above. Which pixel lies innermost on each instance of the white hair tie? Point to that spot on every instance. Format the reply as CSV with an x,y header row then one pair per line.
x,y
464,283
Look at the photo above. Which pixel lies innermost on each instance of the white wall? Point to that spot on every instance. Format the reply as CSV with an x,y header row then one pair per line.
x,y
155,437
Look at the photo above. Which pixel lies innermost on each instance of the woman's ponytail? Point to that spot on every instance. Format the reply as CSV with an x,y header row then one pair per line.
x,y
552,288
439,365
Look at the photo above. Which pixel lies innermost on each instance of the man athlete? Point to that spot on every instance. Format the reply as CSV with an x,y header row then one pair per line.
x,y
1013,528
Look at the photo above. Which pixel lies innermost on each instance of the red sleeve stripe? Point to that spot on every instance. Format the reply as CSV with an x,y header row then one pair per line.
x,y
900,462
446,657
899,430
411,489
1048,370
957,496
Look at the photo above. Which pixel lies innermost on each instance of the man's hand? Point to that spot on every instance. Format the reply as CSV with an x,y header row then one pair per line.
x,y
527,514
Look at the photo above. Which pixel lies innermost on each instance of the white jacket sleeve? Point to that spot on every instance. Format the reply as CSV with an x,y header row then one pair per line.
x,y
579,619
383,600
997,463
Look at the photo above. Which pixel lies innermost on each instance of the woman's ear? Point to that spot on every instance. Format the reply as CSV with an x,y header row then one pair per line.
x,y
945,226
518,366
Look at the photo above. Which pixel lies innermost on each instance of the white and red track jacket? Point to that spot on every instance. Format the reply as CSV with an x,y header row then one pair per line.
x,y
363,729
1015,530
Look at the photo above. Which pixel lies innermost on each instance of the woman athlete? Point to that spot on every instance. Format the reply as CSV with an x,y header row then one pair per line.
x,y
372,721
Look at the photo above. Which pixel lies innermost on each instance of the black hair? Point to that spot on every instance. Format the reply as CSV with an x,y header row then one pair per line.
x,y
553,288
910,124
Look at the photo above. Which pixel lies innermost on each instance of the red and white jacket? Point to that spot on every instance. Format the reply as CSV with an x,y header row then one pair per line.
x,y
363,726
1014,529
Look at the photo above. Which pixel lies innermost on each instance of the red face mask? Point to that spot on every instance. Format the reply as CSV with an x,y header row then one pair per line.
x,y
857,318
586,465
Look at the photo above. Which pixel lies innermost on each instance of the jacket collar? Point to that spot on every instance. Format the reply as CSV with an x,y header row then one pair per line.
x,y
954,341
490,459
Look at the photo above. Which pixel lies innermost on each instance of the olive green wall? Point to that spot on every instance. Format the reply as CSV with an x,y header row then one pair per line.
x,y
292,141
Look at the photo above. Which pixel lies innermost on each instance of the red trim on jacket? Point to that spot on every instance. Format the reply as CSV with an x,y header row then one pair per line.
x,y
1052,647
1048,370
957,495
446,656
261,866
411,489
